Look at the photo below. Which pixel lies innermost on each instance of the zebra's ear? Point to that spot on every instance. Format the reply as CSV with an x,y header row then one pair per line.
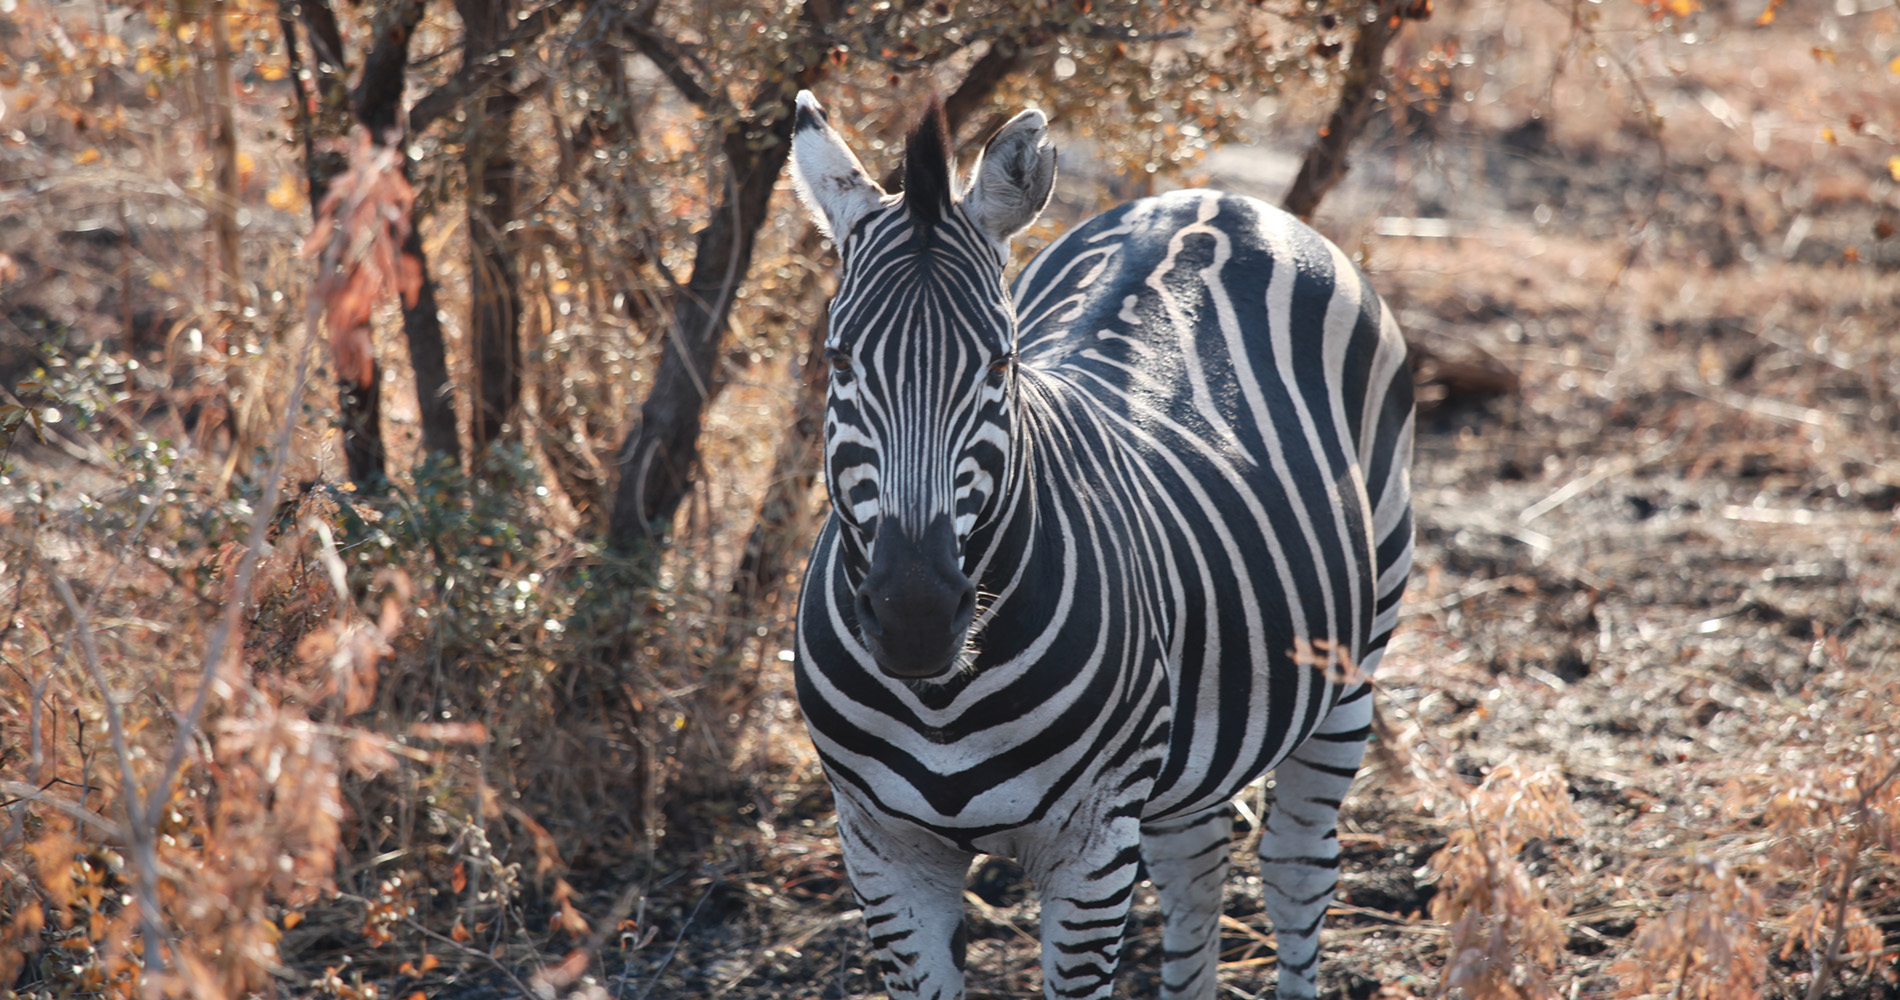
x,y
1012,179
830,181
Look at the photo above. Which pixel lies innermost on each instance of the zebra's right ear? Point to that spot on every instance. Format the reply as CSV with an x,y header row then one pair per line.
x,y
1012,180
831,182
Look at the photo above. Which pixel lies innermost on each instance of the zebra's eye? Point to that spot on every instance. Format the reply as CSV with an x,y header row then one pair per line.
x,y
1000,368
840,363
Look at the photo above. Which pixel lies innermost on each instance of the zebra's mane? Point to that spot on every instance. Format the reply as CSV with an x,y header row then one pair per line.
x,y
928,189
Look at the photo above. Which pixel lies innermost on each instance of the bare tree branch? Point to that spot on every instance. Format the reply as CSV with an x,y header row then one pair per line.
x,y
140,833
670,58
472,80
23,792
1325,162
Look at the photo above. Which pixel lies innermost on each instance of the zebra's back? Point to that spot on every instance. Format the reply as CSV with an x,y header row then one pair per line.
x,y
1253,392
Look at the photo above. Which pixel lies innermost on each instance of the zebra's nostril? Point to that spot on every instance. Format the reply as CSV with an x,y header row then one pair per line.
x,y
867,615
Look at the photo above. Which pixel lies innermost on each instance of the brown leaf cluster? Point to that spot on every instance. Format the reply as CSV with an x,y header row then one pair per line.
x,y
1506,930
1707,945
256,820
357,242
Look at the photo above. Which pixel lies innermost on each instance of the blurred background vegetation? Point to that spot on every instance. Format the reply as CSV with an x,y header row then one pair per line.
x,y
411,417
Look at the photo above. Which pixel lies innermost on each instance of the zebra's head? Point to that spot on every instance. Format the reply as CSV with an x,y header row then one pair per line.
x,y
921,342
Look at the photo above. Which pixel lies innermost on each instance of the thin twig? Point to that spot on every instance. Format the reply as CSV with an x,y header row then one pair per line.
x,y
677,938
526,992
20,791
141,835
247,566
146,512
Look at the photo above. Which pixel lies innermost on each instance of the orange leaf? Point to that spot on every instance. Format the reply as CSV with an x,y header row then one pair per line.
x,y
430,962
409,279
88,156
572,921
408,969
459,880
352,348
460,934
285,196
292,919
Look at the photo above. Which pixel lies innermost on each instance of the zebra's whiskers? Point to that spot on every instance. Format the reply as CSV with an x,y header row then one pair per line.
x,y
963,667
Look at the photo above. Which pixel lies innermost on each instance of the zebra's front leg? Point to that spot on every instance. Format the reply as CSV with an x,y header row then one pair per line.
x,y
911,888
1299,849
1187,862
1087,882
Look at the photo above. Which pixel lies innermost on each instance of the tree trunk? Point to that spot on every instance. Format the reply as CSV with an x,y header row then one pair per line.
x,y
224,155
1325,162
428,356
360,414
329,104
378,106
656,462
494,284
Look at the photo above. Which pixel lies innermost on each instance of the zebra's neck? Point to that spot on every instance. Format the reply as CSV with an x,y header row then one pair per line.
x,y
1018,552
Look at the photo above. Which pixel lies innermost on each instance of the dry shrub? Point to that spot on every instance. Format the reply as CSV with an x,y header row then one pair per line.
x,y
221,676
1833,824
1505,929
1707,945
250,826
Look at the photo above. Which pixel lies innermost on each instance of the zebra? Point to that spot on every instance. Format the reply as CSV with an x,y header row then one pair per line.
x,y
1102,550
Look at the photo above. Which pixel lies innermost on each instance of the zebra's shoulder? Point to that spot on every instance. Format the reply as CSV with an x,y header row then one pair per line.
x,y
1157,219
1136,236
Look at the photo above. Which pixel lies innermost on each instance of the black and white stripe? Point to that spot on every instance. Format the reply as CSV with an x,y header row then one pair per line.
x,y
1182,505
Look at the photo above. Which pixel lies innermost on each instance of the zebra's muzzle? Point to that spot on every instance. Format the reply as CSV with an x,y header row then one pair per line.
x,y
916,603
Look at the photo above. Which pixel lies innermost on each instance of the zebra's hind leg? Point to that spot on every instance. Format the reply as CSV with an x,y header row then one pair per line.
x,y
911,888
1299,849
1187,861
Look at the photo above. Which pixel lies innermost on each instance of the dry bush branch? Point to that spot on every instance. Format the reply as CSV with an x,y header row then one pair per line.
x,y
357,242
1707,945
1506,931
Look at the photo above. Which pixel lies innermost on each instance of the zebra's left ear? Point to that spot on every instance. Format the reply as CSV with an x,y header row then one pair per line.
x,y
830,180
1012,179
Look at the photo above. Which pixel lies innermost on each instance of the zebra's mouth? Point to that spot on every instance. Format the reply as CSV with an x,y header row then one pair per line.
x,y
915,606
913,647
